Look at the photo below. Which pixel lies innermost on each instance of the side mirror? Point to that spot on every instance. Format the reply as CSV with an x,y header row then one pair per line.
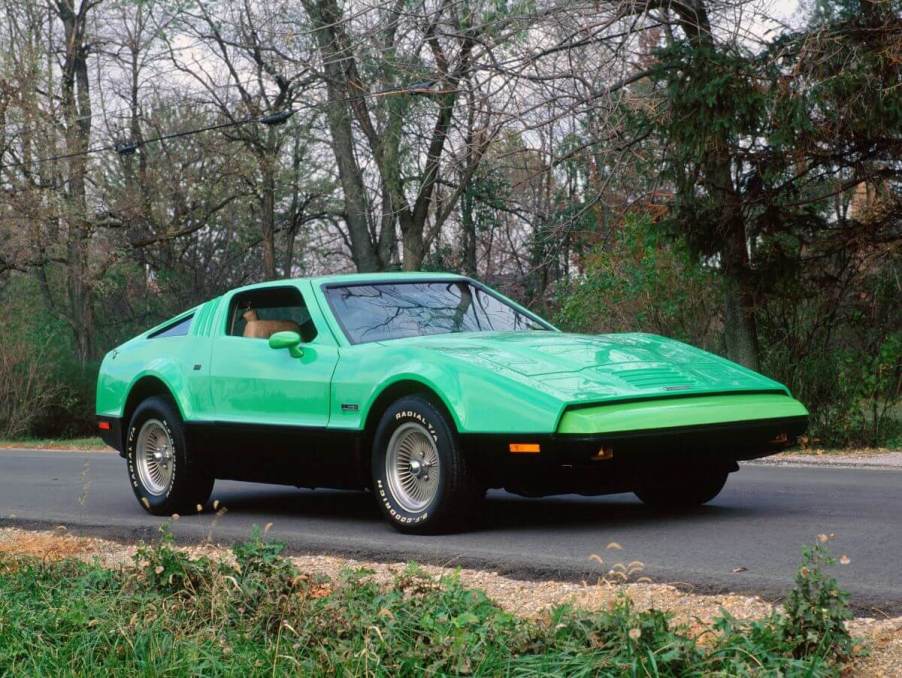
x,y
289,340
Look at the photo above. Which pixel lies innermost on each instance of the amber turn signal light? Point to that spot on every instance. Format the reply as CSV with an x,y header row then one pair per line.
x,y
603,454
524,448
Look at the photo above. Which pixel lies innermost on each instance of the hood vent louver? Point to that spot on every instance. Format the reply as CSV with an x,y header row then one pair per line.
x,y
663,377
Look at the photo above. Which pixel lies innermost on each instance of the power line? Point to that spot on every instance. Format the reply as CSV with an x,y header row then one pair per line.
x,y
129,147
126,148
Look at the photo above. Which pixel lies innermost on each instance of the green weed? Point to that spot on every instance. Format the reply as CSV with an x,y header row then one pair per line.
x,y
167,614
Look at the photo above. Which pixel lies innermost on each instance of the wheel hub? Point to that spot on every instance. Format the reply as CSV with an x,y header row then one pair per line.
x,y
154,457
412,467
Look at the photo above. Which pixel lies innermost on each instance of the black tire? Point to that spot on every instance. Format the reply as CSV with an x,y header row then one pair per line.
x,y
189,483
456,494
683,490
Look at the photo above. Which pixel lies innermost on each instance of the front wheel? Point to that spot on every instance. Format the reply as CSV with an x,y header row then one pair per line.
x,y
164,476
682,491
420,476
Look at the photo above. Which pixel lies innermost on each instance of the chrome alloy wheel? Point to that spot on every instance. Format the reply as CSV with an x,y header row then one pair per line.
x,y
155,457
412,467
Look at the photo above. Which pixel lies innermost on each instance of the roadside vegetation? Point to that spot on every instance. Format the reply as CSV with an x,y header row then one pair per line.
x,y
88,443
169,614
838,351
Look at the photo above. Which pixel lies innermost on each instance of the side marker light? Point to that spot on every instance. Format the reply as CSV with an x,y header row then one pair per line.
x,y
524,448
603,454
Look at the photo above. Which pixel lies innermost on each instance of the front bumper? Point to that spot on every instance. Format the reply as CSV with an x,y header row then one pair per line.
x,y
680,412
616,461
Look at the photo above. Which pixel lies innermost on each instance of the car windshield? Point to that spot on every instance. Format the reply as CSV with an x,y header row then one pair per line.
x,y
381,311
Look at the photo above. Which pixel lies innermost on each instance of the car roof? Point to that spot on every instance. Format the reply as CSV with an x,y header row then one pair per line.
x,y
359,278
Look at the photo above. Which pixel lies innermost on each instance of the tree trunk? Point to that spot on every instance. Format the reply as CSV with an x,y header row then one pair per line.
x,y
740,327
413,221
412,242
295,214
740,331
468,226
268,208
467,193
326,17
346,94
140,210
76,107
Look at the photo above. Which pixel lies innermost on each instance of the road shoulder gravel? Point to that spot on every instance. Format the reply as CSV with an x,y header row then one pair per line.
x,y
888,459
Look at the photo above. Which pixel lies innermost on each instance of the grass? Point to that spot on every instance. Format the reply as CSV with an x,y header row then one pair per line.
x,y
90,443
166,614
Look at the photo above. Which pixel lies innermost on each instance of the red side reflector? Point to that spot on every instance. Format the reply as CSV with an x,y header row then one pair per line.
x,y
524,448
104,426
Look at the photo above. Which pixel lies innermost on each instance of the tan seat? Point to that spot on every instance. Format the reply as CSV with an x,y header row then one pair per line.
x,y
264,329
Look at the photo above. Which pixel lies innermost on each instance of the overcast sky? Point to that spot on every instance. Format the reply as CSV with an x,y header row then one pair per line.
x,y
786,11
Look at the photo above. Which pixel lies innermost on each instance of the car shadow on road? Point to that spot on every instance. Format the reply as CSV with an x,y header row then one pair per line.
x,y
277,501
506,512
500,512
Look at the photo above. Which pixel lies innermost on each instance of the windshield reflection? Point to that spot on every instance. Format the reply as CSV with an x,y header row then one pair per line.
x,y
395,310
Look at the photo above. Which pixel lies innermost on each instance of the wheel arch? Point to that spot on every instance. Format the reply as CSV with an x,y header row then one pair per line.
x,y
146,386
405,387
389,394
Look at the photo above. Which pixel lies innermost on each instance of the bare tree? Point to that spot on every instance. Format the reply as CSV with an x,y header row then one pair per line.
x,y
77,117
250,77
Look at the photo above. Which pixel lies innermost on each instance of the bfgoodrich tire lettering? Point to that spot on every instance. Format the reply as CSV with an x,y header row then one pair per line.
x,y
175,482
420,477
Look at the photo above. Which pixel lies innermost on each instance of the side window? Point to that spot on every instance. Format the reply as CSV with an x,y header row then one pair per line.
x,y
257,314
176,329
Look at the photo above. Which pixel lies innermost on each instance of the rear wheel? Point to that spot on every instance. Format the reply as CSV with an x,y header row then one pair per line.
x,y
420,476
682,490
165,477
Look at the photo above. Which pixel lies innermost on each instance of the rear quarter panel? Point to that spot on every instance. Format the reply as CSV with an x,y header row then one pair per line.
x,y
169,359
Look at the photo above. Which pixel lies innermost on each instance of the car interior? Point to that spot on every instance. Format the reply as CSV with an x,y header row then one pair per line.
x,y
258,314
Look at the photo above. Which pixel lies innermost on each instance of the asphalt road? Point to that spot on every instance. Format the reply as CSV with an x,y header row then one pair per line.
x,y
757,525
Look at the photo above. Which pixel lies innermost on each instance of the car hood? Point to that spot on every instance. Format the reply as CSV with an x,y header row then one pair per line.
x,y
578,367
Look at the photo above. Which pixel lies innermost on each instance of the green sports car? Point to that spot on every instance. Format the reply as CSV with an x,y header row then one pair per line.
x,y
428,389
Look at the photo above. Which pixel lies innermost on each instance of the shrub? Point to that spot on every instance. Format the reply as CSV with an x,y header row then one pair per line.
x,y
817,610
169,614
44,390
167,570
831,332
836,341
27,389
644,281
